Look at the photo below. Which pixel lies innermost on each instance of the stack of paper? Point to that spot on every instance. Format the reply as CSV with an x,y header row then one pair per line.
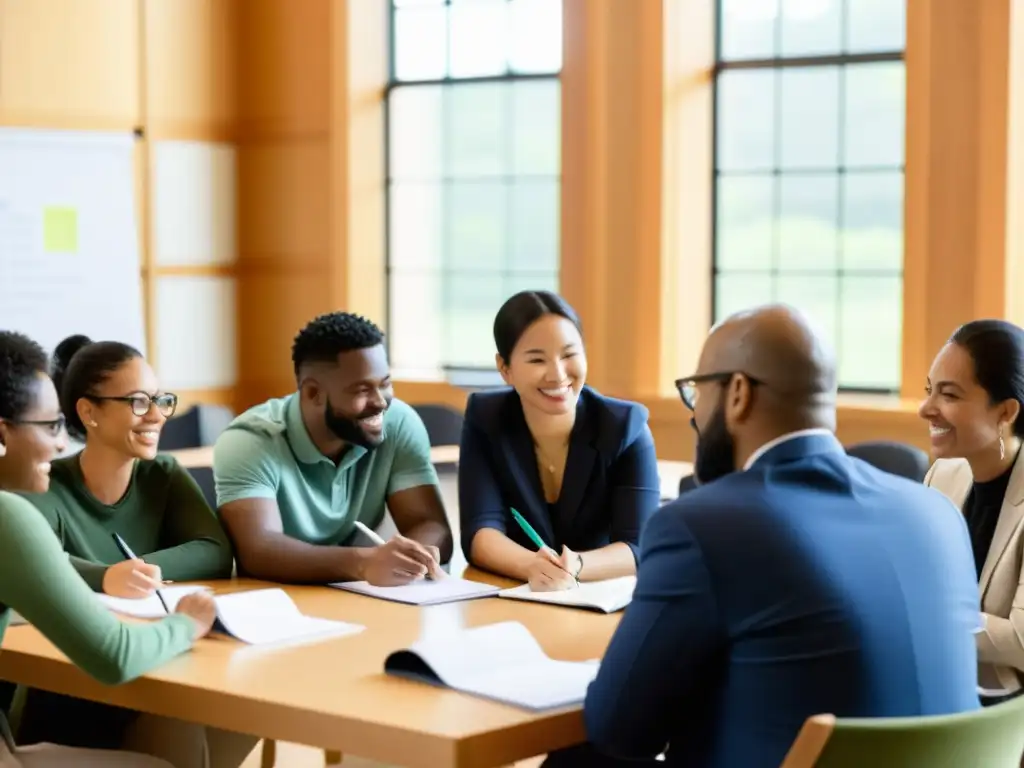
x,y
498,661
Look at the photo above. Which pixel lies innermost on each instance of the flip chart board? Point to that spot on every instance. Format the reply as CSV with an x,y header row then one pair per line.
x,y
69,243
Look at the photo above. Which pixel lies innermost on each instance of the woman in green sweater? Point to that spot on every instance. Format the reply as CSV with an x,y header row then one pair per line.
x,y
36,579
112,401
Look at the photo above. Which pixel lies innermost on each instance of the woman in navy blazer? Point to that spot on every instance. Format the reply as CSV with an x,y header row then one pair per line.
x,y
579,467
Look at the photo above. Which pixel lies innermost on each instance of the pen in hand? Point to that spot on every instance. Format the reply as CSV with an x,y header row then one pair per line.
x,y
129,555
533,536
378,541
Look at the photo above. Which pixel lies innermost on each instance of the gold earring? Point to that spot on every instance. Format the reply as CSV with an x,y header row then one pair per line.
x,y
94,424
1002,445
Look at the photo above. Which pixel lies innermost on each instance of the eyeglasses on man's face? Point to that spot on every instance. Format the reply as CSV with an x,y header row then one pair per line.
x,y
687,388
141,403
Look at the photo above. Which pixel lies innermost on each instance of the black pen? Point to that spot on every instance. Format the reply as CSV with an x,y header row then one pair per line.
x,y
129,555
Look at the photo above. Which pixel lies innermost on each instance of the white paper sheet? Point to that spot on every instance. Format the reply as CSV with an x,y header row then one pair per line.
x,y
424,591
150,607
265,616
609,595
504,662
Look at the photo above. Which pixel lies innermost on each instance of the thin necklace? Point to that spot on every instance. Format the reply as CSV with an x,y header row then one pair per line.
x,y
544,457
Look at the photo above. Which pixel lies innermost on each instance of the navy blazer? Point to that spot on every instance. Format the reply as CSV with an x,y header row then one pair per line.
x,y
609,489
810,583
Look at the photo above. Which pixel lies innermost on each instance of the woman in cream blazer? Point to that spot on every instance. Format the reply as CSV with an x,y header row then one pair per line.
x,y
975,393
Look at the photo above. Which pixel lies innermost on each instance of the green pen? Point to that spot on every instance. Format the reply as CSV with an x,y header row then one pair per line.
x,y
528,530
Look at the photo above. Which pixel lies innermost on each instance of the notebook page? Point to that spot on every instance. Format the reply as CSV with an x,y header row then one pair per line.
x,y
150,607
608,595
269,616
459,659
538,685
424,591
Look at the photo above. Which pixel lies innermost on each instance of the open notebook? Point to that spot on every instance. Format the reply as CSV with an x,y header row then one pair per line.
x,y
608,596
424,591
497,661
257,617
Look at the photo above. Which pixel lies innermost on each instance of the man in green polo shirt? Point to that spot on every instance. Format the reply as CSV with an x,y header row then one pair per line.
x,y
294,474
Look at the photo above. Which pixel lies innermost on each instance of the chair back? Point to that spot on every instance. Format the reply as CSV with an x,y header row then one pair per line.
x,y
687,483
992,737
204,478
443,423
896,458
197,427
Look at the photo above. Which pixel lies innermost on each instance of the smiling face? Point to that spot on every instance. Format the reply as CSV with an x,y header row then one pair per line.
x,y
117,423
354,395
548,365
963,422
32,441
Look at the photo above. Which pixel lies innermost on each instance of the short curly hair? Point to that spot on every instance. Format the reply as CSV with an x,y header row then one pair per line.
x,y
21,362
327,336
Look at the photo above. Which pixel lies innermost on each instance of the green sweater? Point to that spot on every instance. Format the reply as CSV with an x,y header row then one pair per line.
x,y
37,582
163,518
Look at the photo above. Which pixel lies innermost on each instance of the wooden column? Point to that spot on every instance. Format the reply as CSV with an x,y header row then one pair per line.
x,y
310,175
958,152
611,268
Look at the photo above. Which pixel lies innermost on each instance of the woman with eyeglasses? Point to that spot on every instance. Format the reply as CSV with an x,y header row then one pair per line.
x,y
37,581
111,400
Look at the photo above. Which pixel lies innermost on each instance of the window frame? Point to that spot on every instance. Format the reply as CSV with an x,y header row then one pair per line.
x,y
773,64
457,375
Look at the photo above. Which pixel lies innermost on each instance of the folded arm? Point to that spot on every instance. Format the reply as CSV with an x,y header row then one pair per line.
x,y
660,649
37,581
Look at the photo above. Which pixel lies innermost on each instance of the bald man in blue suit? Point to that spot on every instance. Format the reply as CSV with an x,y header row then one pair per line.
x,y
807,582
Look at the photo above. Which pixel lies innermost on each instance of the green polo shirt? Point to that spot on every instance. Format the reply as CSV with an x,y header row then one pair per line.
x,y
266,453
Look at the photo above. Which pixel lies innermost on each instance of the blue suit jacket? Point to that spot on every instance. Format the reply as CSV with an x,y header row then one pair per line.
x,y
810,583
609,489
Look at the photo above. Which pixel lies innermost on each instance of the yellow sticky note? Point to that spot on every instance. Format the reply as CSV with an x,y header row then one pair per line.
x,y
60,230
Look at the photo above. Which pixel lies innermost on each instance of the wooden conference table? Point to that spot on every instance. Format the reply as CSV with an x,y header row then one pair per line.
x,y
333,694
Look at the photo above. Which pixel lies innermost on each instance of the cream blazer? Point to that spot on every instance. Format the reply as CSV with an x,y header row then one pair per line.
x,y
1001,645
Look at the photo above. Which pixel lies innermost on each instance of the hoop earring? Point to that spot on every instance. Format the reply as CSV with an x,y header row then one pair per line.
x,y
1002,447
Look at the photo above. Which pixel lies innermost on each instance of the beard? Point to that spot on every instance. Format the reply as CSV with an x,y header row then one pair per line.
x,y
351,430
716,449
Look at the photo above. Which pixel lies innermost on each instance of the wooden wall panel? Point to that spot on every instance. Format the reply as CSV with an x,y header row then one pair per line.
x,y
284,75
70,63
282,200
191,74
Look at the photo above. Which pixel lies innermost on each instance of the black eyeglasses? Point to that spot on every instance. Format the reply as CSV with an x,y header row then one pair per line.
x,y
688,387
53,426
141,403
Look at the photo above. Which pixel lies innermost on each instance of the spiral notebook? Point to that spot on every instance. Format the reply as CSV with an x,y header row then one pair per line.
x,y
503,662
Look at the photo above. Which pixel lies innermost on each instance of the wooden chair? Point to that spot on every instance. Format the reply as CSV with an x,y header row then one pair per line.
x,y
992,737
268,757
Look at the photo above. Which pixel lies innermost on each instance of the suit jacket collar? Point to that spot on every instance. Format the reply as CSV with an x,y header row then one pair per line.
x,y
796,445
518,446
1011,514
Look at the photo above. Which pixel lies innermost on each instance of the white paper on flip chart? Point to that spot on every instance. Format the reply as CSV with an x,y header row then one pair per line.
x,y
500,661
69,247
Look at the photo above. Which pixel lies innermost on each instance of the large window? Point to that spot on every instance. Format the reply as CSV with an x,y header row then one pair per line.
x,y
809,157
474,133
